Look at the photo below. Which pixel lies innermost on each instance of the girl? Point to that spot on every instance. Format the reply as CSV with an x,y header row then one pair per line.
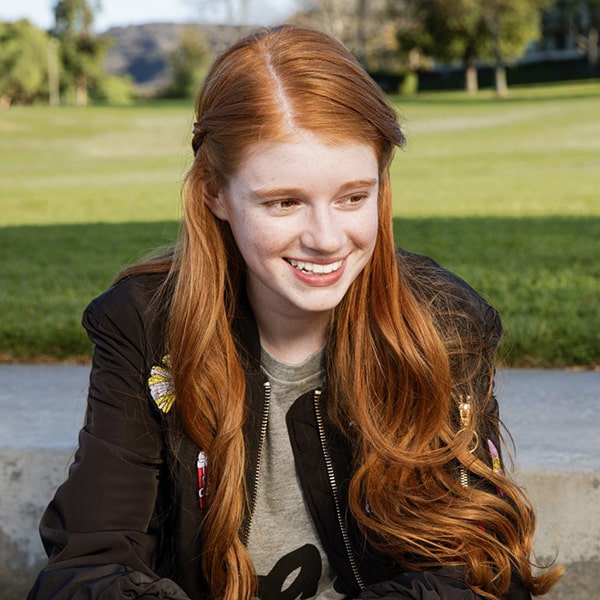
x,y
286,406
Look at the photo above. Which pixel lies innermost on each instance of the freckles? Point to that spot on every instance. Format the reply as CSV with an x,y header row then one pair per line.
x,y
366,228
276,231
262,238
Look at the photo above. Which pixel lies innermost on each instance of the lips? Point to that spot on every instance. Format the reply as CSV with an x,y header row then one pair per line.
x,y
315,268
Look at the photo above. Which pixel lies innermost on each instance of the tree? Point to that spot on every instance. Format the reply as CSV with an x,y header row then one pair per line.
x,y
189,63
81,52
512,26
337,18
472,30
23,62
449,30
367,28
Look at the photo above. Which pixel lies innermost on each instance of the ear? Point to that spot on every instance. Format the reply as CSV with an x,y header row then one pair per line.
x,y
217,205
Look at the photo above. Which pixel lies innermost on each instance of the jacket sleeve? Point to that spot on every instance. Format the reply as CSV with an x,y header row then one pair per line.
x,y
102,529
441,584
420,585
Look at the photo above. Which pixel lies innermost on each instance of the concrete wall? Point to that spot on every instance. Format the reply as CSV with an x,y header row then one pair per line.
x,y
568,513
28,478
559,465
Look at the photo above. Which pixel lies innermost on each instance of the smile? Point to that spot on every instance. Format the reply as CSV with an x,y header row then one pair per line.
x,y
315,268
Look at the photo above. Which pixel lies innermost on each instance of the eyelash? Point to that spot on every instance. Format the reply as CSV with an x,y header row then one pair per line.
x,y
354,198
282,204
289,203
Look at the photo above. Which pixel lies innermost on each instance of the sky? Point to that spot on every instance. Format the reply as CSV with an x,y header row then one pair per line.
x,y
131,12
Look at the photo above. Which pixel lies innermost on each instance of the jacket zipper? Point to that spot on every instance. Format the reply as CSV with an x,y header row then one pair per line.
x,y
261,444
464,411
335,492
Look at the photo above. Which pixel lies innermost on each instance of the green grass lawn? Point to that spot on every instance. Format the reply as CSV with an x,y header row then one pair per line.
x,y
502,191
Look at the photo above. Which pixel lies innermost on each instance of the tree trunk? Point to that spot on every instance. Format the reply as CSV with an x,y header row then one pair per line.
x,y
53,76
81,93
501,85
5,101
471,79
592,47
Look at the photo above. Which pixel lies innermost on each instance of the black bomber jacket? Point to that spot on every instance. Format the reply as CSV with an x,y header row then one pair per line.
x,y
127,522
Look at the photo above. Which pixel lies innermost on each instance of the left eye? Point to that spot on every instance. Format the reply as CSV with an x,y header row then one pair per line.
x,y
284,204
354,199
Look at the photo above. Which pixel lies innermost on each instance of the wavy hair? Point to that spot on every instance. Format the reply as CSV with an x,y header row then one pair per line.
x,y
396,359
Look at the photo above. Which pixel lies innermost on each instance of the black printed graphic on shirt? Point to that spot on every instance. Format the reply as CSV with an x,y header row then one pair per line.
x,y
305,564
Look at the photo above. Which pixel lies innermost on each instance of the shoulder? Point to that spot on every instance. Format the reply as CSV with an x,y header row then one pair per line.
x,y
134,310
447,294
130,297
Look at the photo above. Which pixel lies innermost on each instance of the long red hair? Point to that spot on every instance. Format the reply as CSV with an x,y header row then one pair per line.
x,y
396,358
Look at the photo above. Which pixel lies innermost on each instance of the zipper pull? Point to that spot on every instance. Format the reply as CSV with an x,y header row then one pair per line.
x,y
201,465
464,411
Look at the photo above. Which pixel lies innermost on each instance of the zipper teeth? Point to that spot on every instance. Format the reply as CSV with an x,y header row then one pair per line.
x,y
261,444
334,489
464,410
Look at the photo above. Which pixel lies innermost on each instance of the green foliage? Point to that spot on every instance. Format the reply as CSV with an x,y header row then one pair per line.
x,y
367,28
470,30
81,52
518,23
189,63
410,84
25,53
72,17
450,29
503,192
23,62
110,89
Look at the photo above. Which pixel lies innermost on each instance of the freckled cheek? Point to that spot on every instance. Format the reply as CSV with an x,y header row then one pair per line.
x,y
256,239
365,233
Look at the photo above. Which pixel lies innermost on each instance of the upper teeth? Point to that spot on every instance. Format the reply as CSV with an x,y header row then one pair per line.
x,y
309,267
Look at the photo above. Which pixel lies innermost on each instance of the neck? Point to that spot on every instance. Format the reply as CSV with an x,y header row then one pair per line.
x,y
292,341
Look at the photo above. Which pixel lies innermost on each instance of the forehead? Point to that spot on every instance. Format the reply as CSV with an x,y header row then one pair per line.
x,y
303,155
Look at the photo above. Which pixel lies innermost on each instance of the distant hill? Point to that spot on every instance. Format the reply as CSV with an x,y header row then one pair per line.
x,y
142,51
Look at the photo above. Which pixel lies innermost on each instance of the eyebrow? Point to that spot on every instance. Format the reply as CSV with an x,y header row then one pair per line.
x,y
265,194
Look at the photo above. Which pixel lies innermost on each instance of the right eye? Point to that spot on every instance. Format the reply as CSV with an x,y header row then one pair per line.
x,y
284,204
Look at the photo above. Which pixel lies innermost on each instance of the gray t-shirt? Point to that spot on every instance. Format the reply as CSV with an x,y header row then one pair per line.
x,y
283,543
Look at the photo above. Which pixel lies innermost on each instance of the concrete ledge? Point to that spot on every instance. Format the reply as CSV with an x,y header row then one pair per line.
x,y
554,417
568,517
28,478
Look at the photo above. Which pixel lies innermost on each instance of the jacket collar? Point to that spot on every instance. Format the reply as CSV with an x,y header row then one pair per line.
x,y
245,334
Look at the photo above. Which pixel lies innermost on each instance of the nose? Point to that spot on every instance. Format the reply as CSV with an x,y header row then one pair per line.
x,y
323,231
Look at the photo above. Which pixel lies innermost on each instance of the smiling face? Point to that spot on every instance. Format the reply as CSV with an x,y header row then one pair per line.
x,y
304,217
